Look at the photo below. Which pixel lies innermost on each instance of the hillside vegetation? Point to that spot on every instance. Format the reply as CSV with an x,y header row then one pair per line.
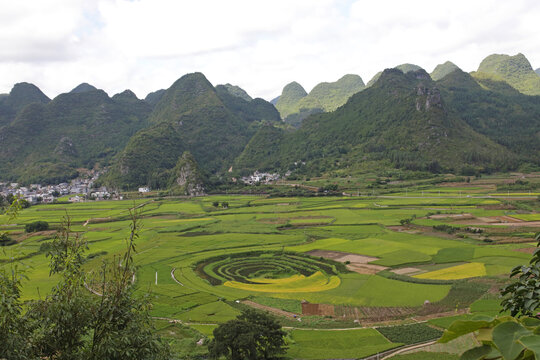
x,y
403,67
402,118
442,70
295,104
451,121
46,143
496,110
20,96
191,115
515,70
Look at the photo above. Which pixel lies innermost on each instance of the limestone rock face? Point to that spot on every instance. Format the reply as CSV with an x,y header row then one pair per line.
x,y
187,178
66,147
427,98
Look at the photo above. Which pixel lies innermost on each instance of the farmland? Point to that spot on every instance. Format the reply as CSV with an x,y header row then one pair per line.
x,y
353,254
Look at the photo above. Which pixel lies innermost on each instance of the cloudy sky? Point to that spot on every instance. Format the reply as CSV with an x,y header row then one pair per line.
x,y
260,45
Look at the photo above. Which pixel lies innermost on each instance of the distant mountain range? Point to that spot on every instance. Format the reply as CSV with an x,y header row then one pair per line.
x,y
403,118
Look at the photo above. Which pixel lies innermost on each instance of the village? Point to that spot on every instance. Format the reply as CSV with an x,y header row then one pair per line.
x,y
261,178
81,189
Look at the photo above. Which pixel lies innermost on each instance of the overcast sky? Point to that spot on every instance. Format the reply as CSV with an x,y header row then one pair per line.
x,y
260,45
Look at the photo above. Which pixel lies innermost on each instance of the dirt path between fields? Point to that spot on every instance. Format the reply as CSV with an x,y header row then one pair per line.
x,y
270,309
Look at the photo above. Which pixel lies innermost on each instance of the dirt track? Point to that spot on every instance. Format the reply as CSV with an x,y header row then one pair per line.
x,y
270,309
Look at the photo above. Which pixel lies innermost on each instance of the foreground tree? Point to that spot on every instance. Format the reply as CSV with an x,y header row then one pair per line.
x,y
71,322
13,330
121,323
60,322
253,335
522,297
515,337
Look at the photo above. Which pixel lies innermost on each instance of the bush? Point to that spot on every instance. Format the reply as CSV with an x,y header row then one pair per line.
x,y
5,240
36,226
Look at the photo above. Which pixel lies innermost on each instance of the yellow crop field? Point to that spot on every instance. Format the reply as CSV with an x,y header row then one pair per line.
x,y
296,283
456,272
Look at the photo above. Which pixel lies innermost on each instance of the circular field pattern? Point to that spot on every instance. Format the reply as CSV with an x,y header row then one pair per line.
x,y
271,272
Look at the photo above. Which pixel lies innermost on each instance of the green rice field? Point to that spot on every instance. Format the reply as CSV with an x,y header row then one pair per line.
x,y
199,262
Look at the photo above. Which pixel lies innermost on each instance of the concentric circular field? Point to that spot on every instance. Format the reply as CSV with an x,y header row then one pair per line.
x,y
271,272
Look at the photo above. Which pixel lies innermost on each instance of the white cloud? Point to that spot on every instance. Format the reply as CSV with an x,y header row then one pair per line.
x,y
260,45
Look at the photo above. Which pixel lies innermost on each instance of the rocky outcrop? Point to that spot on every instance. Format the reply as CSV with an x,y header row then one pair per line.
x,y
427,98
187,178
65,147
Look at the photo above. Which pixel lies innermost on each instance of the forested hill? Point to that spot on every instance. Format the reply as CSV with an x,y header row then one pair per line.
x,y
213,124
20,96
295,104
497,110
47,141
402,118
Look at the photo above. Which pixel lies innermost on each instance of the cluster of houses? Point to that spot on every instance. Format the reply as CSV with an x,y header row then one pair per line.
x,y
260,178
81,188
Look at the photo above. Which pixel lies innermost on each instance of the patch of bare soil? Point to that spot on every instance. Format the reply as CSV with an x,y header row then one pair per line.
x,y
355,262
509,240
452,216
498,207
405,229
367,269
405,271
25,236
526,250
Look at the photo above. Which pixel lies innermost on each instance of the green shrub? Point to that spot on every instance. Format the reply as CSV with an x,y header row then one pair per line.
x,y
36,226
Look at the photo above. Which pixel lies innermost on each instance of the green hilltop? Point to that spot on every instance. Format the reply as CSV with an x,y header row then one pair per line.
x,y
295,104
290,96
442,70
21,95
403,67
83,87
237,91
515,70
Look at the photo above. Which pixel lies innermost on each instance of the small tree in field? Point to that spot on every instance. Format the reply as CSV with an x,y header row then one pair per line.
x,y
253,335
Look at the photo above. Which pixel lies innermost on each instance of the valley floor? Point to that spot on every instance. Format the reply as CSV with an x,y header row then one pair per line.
x,y
388,270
